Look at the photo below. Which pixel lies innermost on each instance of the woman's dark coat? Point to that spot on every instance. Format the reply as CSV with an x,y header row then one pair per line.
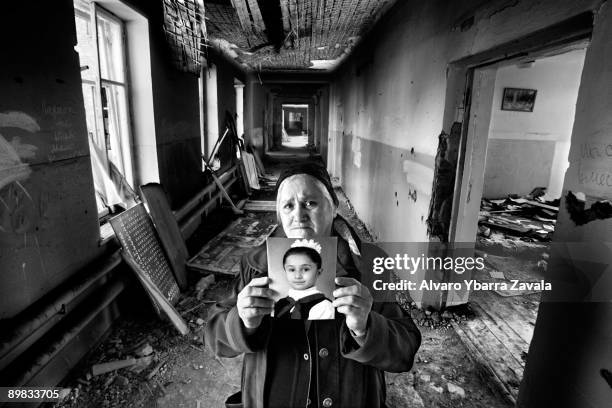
x,y
278,356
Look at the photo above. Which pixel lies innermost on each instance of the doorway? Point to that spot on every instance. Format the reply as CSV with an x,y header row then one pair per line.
x,y
295,125
517,112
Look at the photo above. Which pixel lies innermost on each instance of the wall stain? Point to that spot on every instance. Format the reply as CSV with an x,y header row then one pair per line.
x,y
607,375
576,207
412,194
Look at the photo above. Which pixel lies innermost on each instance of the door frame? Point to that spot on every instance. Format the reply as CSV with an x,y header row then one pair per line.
x,y
466,80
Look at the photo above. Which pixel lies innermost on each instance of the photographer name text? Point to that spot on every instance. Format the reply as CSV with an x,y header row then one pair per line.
x,y
402,285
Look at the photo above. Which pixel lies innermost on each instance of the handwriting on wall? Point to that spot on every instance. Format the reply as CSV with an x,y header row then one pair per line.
x,y
595,168
64,142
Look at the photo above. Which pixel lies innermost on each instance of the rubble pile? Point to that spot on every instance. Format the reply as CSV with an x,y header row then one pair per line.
x,y
528,218
439,320
132,364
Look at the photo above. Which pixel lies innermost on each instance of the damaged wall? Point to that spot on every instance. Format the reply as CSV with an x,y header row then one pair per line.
x,y
391,97
48,216
529,149
571,350
48,219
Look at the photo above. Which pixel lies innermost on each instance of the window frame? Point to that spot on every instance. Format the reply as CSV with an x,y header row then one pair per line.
x,y
127,141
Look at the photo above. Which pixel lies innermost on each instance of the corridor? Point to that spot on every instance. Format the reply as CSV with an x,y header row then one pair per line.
x,y
141,142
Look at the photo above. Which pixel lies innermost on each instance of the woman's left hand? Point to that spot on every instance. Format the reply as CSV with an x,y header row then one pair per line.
x,y
355,302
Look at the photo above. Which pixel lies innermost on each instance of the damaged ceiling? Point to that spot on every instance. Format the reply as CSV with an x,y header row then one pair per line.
x,y
289,35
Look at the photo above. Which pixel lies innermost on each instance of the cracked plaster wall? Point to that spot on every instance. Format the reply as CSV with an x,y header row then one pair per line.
x,y
391,95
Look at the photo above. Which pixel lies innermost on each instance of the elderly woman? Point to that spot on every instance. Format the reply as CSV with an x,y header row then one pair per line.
x,y
326,363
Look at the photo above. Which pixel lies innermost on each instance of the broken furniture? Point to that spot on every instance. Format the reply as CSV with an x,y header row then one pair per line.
x,y
143,252
520,217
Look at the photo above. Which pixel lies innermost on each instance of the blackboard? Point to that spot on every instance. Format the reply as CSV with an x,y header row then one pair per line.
x,y
167,229
136,233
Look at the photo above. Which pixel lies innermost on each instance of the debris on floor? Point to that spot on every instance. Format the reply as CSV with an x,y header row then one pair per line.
x,y
222,254
434,319
184,373
525,218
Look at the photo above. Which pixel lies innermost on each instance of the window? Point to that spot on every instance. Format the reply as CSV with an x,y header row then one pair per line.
x,y
102,55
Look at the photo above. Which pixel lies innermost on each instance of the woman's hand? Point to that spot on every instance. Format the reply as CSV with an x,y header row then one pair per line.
x,y
355,302
254,302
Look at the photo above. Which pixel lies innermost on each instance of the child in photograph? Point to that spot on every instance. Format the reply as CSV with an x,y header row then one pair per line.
x,y
303,265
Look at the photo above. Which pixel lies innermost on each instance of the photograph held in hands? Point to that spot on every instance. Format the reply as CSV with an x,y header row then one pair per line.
x,y
301,273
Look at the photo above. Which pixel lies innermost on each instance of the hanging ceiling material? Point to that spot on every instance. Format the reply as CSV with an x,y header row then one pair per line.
x,y
185,30
290,35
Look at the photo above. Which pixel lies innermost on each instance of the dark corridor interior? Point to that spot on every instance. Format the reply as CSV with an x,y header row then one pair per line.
x,y
440,123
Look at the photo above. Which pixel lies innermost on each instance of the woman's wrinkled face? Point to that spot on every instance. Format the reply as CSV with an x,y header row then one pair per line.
x,y
301,271
303,208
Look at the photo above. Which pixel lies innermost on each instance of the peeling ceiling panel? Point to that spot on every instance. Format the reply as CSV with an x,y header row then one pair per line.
x,y
185,30
290,35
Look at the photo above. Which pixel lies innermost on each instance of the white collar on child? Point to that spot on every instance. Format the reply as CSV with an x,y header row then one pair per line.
x,y
297,294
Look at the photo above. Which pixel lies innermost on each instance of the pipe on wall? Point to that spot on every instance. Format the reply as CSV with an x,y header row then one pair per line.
x,y
100,300
28,323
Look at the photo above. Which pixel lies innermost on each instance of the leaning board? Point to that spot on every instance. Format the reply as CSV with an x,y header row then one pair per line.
x,y
136,233
167,229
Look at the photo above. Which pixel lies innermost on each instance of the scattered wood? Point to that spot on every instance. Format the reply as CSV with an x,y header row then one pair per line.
x,y
103,368
144,350
109,380
259,205
142,364
155,369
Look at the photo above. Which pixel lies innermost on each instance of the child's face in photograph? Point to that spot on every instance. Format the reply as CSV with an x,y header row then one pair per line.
x,y
301,271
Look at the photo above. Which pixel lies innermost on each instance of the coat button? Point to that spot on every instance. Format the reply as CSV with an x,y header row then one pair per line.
x,y
306,356
323,352
327,402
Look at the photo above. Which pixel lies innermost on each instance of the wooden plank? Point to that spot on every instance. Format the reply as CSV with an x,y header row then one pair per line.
x,y
222,254
483,366
255,205
286,16
168,230
251,170
519,318
500,358
258,22
493,357
504,333
245,22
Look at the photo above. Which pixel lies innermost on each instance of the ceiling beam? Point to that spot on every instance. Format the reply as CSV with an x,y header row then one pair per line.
x,y
258,22
251,21
286,16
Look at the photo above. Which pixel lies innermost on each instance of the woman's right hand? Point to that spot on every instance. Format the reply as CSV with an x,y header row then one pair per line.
x,y
255,301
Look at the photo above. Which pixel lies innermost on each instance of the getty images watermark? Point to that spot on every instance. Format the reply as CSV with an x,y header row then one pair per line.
x,y
458,267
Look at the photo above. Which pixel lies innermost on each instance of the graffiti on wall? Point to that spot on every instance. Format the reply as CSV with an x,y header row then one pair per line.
x,y
16,203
